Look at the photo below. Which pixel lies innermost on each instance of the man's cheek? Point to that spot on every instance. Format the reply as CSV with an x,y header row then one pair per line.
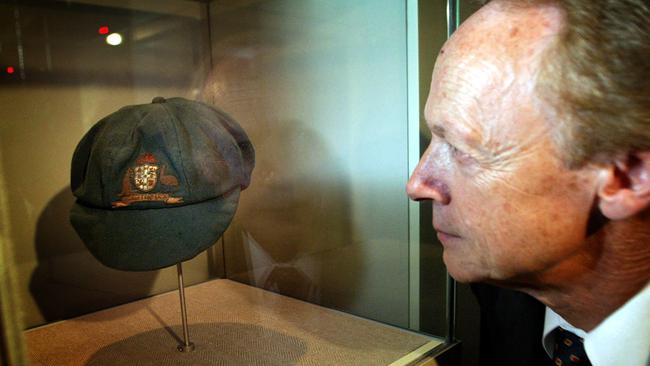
x,y
477,220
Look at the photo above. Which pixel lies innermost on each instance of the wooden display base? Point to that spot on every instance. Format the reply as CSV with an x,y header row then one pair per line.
x,y
231,324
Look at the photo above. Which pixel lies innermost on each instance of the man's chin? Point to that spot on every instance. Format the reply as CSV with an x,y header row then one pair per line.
x,y
462,273
465,273
464,277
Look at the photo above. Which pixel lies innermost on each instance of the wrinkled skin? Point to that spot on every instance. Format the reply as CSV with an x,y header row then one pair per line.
x,y
506,209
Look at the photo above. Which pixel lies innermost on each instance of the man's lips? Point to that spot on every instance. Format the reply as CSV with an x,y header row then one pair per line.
x,y
446,233
446,238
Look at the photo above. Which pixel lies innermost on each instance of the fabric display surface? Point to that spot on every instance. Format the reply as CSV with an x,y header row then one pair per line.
x,y
231,323
158,183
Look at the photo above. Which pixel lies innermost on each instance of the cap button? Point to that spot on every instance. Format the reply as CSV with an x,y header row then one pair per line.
x,y
158,100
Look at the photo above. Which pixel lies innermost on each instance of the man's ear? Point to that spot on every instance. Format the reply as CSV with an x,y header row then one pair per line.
x,y
624,189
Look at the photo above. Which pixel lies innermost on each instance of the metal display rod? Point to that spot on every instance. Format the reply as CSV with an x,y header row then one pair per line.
x,y
187,346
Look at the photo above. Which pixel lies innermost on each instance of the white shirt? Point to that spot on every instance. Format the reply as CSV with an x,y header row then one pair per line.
x,y
623,338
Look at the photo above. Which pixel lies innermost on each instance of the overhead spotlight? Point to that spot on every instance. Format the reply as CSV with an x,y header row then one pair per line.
x,y
114,39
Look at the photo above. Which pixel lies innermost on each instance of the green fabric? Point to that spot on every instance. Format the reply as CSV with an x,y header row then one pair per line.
x,y
138,240
158,183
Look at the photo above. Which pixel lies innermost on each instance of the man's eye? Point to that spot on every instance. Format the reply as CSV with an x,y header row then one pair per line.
x,y
458,154
454,150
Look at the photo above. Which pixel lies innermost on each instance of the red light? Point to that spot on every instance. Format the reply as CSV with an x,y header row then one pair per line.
x,y
103,30
10,70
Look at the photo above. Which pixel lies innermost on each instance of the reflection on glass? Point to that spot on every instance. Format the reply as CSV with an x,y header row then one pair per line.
x,y
321,88
58,78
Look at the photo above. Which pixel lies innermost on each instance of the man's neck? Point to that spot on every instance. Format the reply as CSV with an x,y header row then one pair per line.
x,y
592,284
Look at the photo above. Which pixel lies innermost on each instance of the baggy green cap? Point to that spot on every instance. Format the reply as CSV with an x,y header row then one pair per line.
x,y
158,183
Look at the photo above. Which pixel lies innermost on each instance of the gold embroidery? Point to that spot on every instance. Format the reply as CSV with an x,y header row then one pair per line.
x,y
168,180
144,197
144,178
126,183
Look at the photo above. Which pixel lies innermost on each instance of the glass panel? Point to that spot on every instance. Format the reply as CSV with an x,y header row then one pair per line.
x,y
65,78
321,88
432,282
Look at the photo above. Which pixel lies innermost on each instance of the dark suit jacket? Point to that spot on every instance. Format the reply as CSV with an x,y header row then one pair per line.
x,y
512,324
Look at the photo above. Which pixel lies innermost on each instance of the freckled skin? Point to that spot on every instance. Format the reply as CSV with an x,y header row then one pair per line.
x,y
513,208
506,209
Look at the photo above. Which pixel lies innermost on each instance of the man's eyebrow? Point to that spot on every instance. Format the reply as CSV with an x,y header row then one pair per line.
x,y
446,134
438,131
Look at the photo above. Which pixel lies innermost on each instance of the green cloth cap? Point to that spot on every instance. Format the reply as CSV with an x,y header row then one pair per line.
x,y
158,183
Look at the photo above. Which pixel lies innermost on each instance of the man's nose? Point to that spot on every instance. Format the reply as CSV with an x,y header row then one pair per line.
x,y
424,185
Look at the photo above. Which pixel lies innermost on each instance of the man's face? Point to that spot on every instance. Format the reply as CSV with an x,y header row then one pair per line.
x,y
505,208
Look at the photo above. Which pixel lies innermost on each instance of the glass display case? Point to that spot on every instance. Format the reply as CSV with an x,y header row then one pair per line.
x,y
330,94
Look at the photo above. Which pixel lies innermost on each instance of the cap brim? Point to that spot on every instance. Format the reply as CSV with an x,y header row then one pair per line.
x,y
142,240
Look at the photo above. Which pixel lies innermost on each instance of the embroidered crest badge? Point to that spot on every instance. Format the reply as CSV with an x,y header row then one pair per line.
x,y
144,177
145,174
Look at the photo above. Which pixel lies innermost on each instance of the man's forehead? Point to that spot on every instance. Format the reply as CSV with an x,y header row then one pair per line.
x,y
493,48
497,49
466,81
503,32
512,26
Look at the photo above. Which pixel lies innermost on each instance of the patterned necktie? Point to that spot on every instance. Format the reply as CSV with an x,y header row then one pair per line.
x,y
569,349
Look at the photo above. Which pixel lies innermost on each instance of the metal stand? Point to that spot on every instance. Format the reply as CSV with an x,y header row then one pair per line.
x,y
187,346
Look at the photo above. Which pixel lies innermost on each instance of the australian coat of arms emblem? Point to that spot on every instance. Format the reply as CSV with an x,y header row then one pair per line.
x,y
145,174
140,182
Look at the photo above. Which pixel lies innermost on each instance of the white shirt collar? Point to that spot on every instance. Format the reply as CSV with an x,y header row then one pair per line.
x,y
628,326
